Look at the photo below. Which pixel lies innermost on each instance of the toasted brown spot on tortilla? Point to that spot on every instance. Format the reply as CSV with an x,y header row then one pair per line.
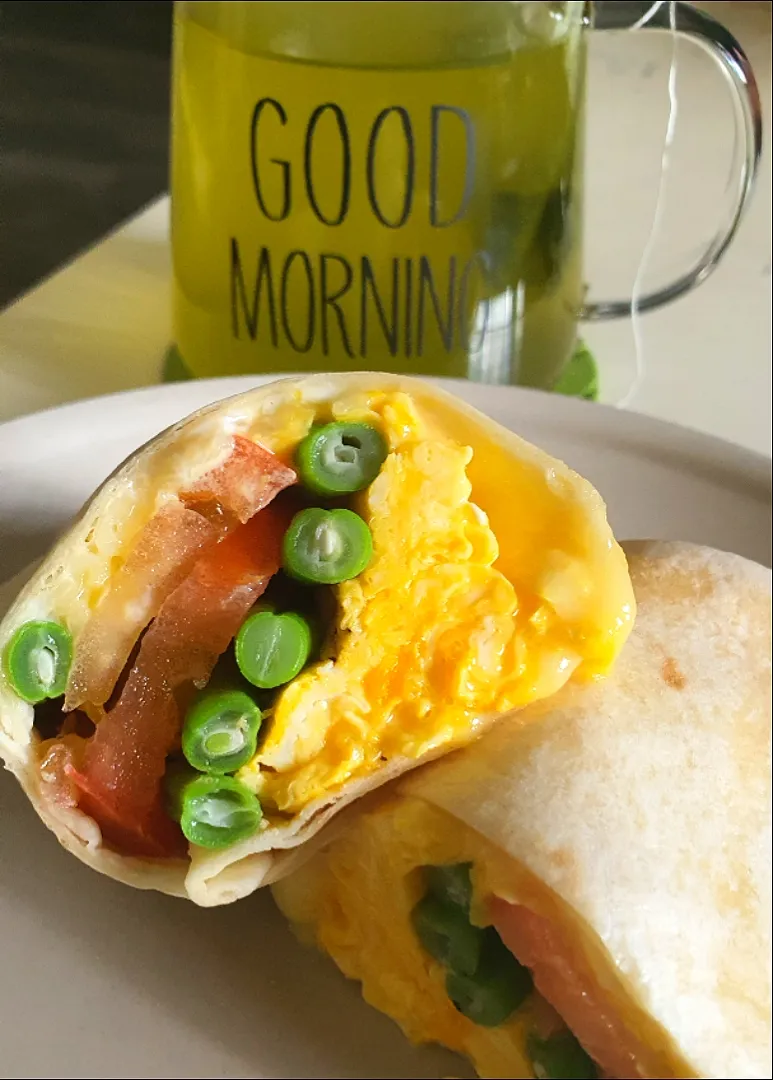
x,y
672,676
562,858
566,866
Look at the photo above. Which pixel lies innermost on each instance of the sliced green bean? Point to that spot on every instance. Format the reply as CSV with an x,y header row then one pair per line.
x,y
560,1056
326,547
495,990
340,458
272,649
220,730
213,811
447,934
451,883
37,660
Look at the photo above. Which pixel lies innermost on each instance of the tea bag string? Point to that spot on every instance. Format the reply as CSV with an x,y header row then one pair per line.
x,y
657,219
649,13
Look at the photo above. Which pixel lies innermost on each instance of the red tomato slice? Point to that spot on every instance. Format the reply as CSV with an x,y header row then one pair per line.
x,y
162,556
559,977
124,761
153,835
247,481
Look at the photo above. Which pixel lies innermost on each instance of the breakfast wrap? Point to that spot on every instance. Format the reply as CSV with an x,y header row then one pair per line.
x,y
284,601
585,891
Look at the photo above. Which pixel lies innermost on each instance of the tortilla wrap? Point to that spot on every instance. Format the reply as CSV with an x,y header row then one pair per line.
x,y
632,817
549,523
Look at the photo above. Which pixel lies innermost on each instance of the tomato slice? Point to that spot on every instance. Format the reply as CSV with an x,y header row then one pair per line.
x,y
559,977
247,481
162,555
153,835
120,776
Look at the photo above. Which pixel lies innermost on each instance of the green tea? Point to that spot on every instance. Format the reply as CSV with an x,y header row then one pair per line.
x,y
391,186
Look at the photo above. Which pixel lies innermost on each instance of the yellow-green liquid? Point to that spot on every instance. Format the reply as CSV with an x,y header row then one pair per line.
x,y
390,186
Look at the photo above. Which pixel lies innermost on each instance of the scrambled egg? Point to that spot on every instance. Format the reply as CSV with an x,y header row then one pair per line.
x,y
432,638
354,901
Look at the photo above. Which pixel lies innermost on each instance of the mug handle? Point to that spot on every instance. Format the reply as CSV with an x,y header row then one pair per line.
x,y
721,44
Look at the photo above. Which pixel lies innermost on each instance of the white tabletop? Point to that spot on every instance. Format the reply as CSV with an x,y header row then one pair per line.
x,y
102,323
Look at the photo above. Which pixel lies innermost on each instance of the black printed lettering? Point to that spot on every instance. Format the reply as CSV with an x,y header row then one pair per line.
x,y
410,170
284,166
437,112
330,300
346,163
289,300
408,322
369,286
251,311
427,285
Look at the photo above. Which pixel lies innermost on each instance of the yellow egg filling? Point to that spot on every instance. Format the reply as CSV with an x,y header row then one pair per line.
x,y
433,638
355,900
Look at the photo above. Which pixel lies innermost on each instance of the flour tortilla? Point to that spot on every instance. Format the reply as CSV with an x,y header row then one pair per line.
x,y
76,570
641,806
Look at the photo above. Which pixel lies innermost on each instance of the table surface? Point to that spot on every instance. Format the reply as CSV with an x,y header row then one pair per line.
x,y
102,323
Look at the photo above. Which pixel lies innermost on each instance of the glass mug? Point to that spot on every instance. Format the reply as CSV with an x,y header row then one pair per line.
x,y
396,186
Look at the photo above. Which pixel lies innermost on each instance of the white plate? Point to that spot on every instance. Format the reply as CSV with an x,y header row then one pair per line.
x,y
100,980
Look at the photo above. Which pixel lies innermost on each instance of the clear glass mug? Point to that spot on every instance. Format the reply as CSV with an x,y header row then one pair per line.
x,y
397,186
